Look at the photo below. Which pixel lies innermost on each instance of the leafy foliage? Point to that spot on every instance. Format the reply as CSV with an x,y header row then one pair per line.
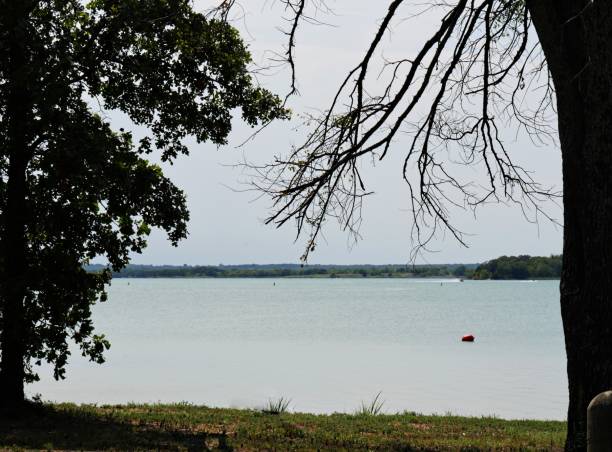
x,y
90,190
520,267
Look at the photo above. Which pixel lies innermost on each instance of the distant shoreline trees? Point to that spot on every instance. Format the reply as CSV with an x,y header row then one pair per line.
x,y
520,267
501,268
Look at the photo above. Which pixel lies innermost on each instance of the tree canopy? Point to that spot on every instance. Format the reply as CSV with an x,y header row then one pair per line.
x,y
519,267
72,188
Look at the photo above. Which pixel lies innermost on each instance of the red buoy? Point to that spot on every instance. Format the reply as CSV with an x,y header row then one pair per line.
x,y
467,338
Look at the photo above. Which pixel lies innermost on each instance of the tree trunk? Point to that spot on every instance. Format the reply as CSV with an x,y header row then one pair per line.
x,y
576,38
13,243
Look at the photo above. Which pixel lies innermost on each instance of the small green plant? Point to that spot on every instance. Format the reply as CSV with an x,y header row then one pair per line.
x,y
277,406
373,408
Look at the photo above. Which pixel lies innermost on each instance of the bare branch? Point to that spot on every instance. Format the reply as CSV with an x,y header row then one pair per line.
x,y
472,75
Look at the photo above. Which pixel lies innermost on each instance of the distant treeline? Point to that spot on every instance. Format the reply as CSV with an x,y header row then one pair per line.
x,y
519,267
505,267
292,270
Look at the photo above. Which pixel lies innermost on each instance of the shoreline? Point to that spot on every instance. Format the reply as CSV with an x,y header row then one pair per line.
x,y
434,278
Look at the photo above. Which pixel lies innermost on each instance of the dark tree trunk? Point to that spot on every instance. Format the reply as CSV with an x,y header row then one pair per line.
x,y
577,39
13,242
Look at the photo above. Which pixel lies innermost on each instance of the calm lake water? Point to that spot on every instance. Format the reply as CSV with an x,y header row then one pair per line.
x,y
328,345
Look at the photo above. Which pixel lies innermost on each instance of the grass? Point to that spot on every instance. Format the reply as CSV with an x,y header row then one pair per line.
x,y
277,406
371,409
187,427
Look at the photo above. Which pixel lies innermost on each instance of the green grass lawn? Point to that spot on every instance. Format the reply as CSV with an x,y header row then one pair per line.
x,y
187,427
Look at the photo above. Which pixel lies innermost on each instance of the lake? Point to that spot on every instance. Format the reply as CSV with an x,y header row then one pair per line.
x,y
328,345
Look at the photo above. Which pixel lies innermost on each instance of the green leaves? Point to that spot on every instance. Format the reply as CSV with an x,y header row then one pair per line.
x,y
174,71
90,191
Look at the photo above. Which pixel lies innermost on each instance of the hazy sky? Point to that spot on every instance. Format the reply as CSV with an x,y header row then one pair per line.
x,y
227,225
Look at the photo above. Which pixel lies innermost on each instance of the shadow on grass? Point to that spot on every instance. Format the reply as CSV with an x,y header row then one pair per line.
x,y
44,427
